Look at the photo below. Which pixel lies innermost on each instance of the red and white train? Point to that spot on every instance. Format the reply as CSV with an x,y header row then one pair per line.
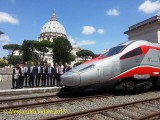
x,y
130,65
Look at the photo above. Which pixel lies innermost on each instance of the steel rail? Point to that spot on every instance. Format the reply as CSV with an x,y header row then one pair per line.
x,y
26,98
69,100
95,111
150,117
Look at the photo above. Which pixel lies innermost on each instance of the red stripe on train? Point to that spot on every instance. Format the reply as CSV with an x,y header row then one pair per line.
x,y
146,48
141,70
94,60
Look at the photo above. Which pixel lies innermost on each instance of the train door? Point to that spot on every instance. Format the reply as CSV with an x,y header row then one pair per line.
x,y
116,68
100,74
131,59
107,72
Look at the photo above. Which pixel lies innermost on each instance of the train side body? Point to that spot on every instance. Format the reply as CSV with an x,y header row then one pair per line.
x,y
139,60
142,66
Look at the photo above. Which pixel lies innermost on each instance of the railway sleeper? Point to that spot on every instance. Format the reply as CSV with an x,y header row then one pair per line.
x,y
125,114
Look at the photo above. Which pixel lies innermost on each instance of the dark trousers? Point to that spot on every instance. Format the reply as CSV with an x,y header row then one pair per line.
x,y
58,79
38,79
25,79
21,81
31,80
49,80
53,80
44,80
15,83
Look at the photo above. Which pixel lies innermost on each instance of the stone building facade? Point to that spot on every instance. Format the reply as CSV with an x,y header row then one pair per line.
x,y
51,30
148,29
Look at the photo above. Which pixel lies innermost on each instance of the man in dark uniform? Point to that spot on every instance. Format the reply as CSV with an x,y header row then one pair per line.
x,y
31,75
54,76
26,74
15,77
66,67
44,74
49,71
21,77
38,74
57,74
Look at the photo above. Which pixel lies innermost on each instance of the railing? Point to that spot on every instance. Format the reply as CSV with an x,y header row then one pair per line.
x,y
5,74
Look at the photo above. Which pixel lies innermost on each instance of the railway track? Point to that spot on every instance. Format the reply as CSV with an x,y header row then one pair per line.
x,y
31,102
139,110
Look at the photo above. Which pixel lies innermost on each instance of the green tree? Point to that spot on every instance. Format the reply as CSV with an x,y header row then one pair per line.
x,y
20,50
35,58
61,49
11,48
84,54
14,59
43,47
28,48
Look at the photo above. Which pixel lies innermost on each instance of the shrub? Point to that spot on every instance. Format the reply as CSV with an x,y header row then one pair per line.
x,y
3,62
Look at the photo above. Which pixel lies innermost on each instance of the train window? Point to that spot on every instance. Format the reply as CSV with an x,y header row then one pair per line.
x,y
87,68
132,53
113,51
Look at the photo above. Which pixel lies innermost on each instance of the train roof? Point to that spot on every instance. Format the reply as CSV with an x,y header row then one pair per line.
x,y
135,41
127,43
139,42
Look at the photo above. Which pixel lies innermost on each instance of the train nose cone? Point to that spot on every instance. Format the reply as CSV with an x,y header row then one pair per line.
x,y
70,79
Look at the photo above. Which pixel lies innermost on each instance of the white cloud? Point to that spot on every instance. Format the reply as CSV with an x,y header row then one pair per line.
x,y
149,6
112,12
71,39
5,17
100,31
86,42
4,39
80,42
88,30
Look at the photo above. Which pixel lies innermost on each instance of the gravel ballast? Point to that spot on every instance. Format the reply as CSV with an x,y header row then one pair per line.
x,y
65,108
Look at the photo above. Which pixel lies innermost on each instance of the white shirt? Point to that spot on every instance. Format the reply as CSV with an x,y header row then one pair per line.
x,y
22,70
25,69
39,69
61,69
44,69
16,75
31,68
49,69
57,69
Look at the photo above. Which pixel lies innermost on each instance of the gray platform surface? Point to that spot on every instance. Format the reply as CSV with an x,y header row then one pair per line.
x,y
29,90
6,85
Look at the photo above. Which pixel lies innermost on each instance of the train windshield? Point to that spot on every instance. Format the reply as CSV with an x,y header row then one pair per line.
x,y
113,51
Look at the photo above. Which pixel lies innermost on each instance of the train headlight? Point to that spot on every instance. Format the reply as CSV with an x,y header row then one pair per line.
x,y
87,68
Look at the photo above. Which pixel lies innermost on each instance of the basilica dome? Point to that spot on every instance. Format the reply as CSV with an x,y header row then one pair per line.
x,y
52,29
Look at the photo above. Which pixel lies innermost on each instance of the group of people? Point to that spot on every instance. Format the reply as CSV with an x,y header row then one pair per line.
x,y
25,75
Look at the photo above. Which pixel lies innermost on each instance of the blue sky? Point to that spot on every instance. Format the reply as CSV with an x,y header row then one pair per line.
x,y
94,24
